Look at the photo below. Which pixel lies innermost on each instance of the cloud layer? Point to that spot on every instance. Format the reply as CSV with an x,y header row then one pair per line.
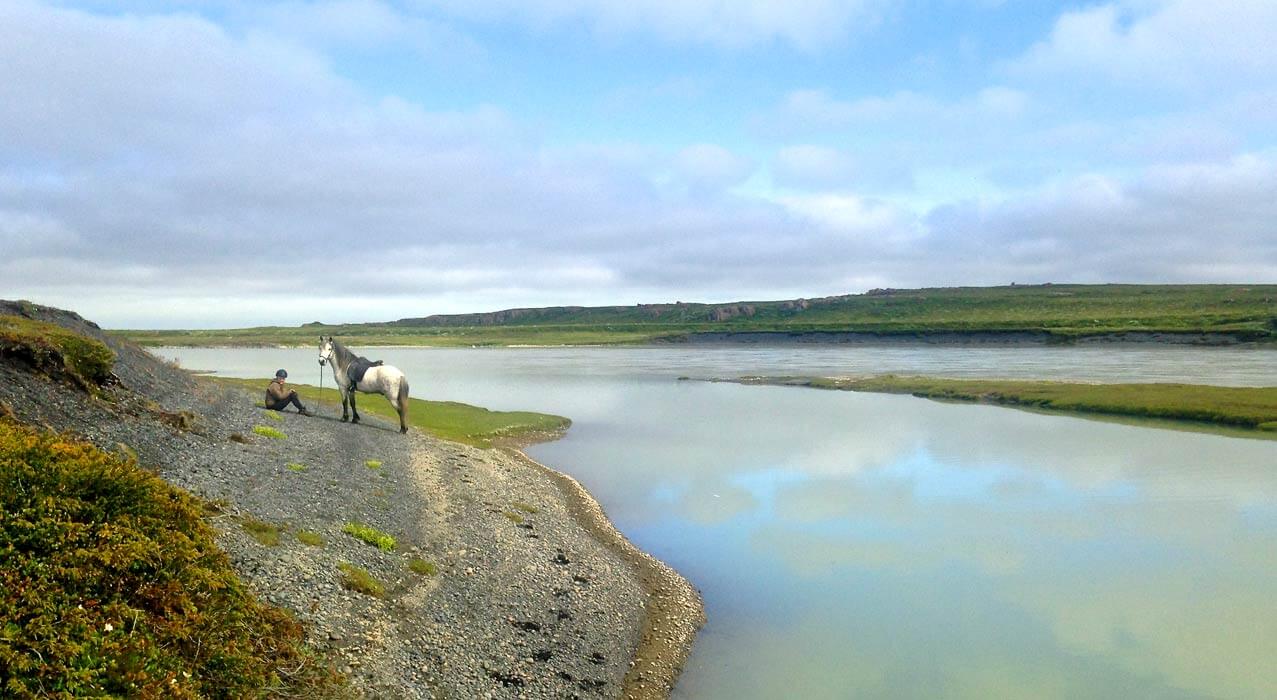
x,y
176,169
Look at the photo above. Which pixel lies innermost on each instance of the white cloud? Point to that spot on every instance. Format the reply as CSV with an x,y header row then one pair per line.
x,y
712,166
1180,43
807,165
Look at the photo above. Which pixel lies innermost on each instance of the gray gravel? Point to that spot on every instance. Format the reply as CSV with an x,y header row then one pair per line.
x,y
535,595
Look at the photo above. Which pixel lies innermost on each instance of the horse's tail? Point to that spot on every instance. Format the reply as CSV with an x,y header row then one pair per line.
x,y
403,403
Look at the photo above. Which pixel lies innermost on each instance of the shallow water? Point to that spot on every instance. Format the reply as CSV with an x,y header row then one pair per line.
x,y
874,546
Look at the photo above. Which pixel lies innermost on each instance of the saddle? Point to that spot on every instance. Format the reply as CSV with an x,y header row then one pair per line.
x,y
355,371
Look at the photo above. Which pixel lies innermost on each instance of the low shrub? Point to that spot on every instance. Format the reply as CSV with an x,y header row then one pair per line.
x,y
370,535
111,584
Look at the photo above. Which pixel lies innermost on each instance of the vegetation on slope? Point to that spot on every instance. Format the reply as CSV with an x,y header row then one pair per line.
x,y
1059,312
56,351
111,585
1244,407
447,420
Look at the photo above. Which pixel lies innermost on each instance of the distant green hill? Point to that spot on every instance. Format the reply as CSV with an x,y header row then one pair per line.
x,y
1049,313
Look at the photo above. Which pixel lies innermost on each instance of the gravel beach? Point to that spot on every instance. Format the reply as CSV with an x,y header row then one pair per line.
x,y
505,580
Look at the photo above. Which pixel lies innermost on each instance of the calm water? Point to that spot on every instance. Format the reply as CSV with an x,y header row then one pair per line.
x,y
871,546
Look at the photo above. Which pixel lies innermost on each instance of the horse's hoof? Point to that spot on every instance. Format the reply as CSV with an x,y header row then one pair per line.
x,y
402,431
344,419
354,420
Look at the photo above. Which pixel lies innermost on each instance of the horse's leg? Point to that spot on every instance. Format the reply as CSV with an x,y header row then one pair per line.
x,y
354,410
401,404
345,415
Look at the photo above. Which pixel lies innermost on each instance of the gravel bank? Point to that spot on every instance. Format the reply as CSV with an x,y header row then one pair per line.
x,y
526,591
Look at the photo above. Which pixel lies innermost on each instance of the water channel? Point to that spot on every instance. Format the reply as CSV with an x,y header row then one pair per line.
x,y
870,546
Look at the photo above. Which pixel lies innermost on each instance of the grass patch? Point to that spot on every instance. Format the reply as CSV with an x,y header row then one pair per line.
x,y
295,467
359,580
420,566
525,507
262,531
267,431
447,420
56,351
112,585
273,415
370,535
373,464
309,538
1243,407
513,517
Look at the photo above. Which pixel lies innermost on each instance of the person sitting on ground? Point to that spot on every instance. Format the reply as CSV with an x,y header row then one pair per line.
x,y
278,398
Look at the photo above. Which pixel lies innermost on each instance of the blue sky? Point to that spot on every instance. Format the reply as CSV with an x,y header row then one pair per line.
x,y
227,163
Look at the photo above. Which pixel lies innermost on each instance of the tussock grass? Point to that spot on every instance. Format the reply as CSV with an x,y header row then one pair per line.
x,y
112,585
370,535
309,538
373,464
273,415
513,517
420,566
359,580
262,531
1244,407
267,431
295,467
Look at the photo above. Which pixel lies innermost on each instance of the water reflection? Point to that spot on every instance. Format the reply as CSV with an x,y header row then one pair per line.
x,y
858,545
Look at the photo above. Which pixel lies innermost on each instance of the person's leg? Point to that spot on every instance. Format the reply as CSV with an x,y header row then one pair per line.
x,y
292,399
277,405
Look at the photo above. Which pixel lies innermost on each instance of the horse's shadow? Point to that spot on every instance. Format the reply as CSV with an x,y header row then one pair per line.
x,y
364,422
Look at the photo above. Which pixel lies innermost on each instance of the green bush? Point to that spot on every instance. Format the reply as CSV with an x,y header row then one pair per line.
x,y
111,585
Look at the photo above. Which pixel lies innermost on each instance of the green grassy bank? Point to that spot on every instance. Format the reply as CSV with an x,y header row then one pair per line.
x,y
1056,313
447,420
1239,407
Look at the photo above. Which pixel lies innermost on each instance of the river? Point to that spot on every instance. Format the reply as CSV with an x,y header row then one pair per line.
x,y
876,546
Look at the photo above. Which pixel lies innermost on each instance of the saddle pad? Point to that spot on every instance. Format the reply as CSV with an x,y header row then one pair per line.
x,y
355,372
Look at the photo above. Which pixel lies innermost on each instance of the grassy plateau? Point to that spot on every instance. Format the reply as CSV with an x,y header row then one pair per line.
x,y
447,420
1239,407
1059,313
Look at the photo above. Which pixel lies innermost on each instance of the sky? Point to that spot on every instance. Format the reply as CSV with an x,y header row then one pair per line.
x,y
229,163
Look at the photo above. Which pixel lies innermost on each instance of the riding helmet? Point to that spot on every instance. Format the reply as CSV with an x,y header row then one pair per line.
x,y
281,374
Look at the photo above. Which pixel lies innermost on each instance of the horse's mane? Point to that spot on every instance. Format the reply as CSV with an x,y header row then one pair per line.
x,y
345,355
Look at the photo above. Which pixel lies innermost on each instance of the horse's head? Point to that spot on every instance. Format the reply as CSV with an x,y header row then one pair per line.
x,y
325,349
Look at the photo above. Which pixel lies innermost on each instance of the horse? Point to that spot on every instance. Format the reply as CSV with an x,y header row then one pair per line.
x,y
354,373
